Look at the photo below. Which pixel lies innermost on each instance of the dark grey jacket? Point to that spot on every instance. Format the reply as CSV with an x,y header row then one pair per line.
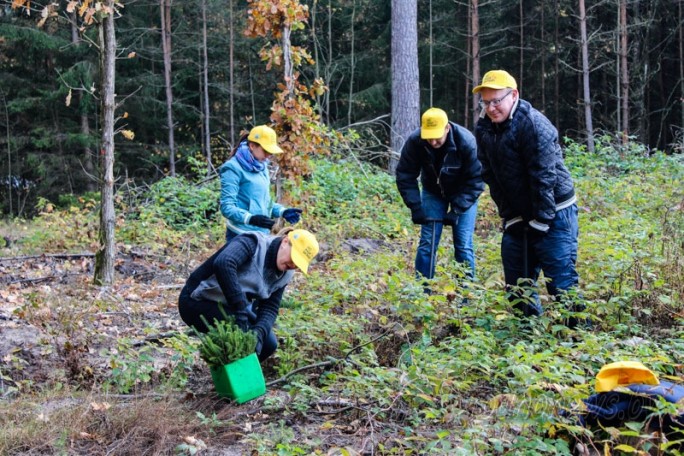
x,y
523,165
458,179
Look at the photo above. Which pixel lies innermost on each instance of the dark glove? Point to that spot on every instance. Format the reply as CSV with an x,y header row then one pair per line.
x,y
292,215
537,228
242,320
260,336
515,226
451,218
418,216
261,221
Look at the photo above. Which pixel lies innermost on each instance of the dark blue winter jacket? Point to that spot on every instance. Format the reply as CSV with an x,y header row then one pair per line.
x,y
523,165
452,171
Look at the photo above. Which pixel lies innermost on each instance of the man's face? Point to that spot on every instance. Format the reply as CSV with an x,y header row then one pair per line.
x,y
498,103
439,142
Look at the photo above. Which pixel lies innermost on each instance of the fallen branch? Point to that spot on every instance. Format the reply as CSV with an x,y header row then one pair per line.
x,y
61,256
330,362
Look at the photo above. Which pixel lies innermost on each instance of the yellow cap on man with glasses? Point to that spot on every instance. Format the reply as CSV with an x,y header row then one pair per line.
x,y
496,79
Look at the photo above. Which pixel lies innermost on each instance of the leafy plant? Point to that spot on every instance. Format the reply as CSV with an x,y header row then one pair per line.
x,y
224,343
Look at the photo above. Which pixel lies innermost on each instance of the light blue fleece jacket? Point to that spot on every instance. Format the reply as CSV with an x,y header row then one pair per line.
x,y
244,194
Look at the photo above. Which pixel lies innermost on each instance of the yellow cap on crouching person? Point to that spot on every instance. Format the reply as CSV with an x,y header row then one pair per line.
x,y
623,373
266,137
304,248
432,124
496,79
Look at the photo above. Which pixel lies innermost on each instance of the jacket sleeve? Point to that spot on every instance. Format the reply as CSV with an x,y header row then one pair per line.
x,y
230,189
267,311
543,159
237,252
472,173
407,173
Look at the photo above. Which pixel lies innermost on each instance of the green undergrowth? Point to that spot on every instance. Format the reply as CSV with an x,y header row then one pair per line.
x,y
417,373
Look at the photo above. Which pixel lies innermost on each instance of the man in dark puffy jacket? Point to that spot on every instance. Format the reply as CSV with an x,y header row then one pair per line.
x,y
444,156
523,165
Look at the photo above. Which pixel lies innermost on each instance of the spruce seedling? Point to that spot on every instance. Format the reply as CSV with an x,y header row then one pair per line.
x,y
225,342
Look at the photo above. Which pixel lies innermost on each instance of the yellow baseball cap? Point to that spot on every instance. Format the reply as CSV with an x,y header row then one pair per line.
x,y
304,248
623,373
265,136
496,79
432,124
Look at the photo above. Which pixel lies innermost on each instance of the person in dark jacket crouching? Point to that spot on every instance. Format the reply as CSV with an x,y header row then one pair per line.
x,y
246,278
523,165
444,155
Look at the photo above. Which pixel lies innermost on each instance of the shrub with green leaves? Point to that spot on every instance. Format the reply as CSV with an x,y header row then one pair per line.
x,y
181,204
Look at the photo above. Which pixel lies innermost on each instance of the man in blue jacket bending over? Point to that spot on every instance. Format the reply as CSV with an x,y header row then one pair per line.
x,y
444,156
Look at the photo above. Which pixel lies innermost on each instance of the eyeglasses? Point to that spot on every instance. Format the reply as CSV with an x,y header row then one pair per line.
x,y
495,102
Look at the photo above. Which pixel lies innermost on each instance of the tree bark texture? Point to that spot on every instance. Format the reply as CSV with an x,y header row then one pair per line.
x,y
106,254
475,46
165,7
405,82
624,72
205,84
585,77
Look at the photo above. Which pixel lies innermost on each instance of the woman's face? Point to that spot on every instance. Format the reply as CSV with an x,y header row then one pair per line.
x,y
284,257
258,152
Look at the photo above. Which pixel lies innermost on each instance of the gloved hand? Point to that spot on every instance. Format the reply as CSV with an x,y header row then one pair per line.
x,y
537,228
292,215
451,218
242,320
515,226
418,216
261,221
260,335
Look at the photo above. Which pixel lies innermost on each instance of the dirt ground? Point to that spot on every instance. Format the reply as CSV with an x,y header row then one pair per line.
x,y
47,338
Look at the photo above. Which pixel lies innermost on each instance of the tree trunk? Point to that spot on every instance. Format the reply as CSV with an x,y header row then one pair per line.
x,y
475,44
624,72
351,65
165,7
405,82
106,253
585,77
205,84
521,71
231,65
431,43
556,60
681,70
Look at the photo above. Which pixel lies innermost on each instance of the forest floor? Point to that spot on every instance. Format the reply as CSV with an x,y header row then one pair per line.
x,y
47,340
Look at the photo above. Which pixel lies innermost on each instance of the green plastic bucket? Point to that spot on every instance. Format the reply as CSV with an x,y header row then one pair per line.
x,y
241,380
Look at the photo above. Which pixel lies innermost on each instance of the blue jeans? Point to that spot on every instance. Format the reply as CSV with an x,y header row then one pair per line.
x,y
436,207
554,253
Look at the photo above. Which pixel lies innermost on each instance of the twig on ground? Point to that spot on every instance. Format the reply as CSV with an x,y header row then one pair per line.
x,y
330,362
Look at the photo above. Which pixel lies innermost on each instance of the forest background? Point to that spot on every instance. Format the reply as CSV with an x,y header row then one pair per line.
x,y
367,363
629,83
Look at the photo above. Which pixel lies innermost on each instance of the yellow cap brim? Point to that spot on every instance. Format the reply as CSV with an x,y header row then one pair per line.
x,y
273,150
300,261
490,86
623,373
431,133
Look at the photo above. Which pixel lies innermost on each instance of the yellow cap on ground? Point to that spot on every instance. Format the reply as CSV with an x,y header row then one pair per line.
x,y
265,136
432,124
496,79
304,248
623,373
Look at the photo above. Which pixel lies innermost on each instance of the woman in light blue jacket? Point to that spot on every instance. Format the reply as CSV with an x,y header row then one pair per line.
x,y
246,189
